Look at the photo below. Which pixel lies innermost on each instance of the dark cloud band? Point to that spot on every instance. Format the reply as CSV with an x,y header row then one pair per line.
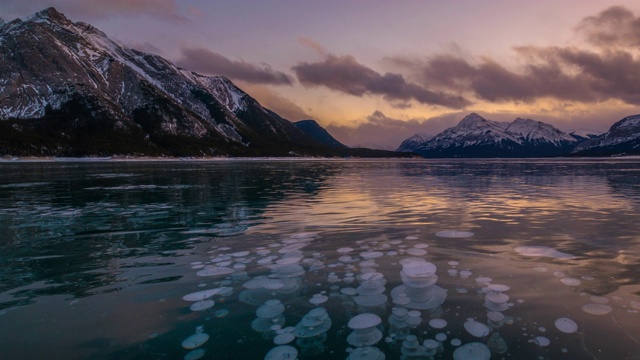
x,y
344,73
208,62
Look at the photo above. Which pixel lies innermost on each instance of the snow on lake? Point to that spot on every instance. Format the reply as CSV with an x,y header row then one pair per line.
x,y
320,259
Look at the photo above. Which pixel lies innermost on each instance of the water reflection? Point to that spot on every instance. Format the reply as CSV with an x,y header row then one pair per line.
x,y
450,256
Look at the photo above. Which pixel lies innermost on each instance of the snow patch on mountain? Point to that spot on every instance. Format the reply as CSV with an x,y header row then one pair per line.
x,y
225,91
585,133
532,130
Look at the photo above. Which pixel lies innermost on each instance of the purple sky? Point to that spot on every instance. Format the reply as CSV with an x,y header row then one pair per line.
x,y
376,72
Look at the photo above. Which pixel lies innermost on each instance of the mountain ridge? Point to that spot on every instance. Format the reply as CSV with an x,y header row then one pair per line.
x,y
67,89
475,136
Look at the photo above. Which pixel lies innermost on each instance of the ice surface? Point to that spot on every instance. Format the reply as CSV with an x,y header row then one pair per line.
x,y
542,251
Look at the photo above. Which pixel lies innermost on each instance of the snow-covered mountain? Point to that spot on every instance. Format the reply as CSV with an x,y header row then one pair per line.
x,y
411,144
623,138
67,89
476,136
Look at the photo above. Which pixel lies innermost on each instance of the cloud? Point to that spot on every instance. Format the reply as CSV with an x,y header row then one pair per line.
x,y
275,102
208,62
382,132
97,9
345,74
587,75
616,26
312,44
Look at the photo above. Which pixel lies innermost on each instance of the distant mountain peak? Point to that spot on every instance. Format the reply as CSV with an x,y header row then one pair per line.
x,y
631,121
472,118
50,14
312,129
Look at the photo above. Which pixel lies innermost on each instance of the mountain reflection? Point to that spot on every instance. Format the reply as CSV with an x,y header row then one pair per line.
x,y
64,224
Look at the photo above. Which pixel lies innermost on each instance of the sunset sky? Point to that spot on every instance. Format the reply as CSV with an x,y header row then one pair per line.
x,y
376,72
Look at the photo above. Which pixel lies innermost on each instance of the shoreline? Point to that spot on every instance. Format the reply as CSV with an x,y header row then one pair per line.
x,y
53,159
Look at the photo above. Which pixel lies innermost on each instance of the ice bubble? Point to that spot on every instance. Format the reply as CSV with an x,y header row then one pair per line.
x,y
441,337
215,271
496,301
318,299
476,328
453,263
559,274
483,280
599,299
202,305
366,353
465,273
411,237
497,344
371,254
597,309
456,342
411,260
495,316
421,269
438,323
282,352
288,260
416,252
431,344
291,248
452,272
349,291
195,340
204,294
542,251
472,351
570,281
454,234
344,250
566,325
284,338
498,287
371,300
194,354
541,341
364,321
271,308
221,313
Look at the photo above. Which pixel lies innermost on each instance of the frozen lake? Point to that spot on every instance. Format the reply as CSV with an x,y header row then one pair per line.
x,y
514,259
